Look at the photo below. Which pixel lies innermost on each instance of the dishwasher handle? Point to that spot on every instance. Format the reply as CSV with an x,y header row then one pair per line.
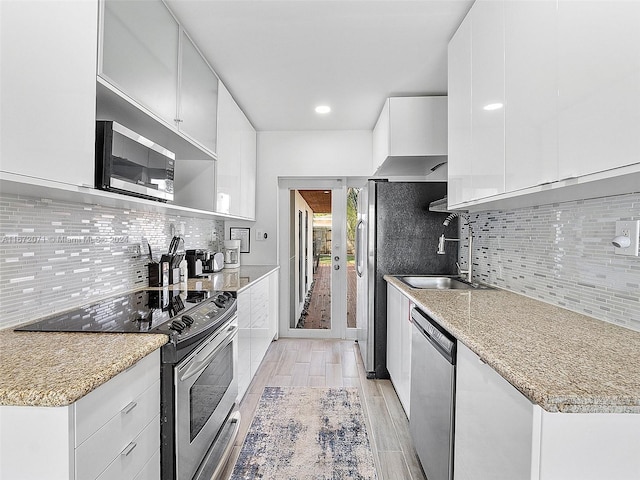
x,y
443,341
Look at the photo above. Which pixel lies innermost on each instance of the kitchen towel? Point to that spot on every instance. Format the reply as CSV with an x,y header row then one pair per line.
x,y
307,433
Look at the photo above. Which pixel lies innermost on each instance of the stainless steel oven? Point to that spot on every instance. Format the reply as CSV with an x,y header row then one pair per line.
x,y
199,387
206,391
198,372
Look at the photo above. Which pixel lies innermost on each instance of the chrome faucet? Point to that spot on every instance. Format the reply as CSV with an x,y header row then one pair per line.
x,y
441,242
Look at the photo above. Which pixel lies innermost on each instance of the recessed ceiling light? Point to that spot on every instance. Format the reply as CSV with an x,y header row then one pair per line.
x,y
493,106
323,109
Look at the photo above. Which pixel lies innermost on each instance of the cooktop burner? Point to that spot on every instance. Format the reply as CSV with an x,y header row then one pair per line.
x,y
136,312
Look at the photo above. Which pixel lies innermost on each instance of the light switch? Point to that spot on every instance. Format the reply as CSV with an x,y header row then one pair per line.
x,y
261,235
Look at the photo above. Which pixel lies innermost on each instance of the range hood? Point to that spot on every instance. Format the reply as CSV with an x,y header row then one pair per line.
x,y
443,207
410,137
439,205
411,166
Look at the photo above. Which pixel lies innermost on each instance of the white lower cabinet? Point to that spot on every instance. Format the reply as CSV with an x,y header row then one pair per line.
x,y
500,434
151,470
244,342
260,317
111,433
493,425
134,456
258,326
399,344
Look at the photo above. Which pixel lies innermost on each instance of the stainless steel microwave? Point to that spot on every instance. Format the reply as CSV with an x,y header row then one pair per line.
x,y
132,164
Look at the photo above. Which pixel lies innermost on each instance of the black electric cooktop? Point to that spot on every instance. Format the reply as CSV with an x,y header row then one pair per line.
x,y
135,312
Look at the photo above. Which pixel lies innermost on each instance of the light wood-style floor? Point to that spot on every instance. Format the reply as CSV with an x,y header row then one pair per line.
x,y
307,362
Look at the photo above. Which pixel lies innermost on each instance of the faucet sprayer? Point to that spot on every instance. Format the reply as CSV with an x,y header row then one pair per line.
x,y
453,215
443,239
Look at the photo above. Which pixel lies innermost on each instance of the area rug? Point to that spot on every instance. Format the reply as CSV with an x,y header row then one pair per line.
x,y
307,433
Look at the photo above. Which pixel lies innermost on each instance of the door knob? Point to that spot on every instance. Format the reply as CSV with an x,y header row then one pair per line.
x,y
336,258
336,267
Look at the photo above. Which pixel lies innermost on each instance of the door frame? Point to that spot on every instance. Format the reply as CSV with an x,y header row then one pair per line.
x,y
338,188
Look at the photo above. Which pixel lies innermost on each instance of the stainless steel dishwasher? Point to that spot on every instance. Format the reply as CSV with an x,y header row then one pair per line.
x,y
433,380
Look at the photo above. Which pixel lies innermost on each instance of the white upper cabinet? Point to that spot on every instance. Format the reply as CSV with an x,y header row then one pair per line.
x,y
476,166
154,79
150,62
568,76
599,85
236,165
198,96
410,127
487,99
459,121
48,94
380,138
140,54
531,90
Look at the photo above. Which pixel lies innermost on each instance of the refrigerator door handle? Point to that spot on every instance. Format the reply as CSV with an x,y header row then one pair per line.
x,y
359,259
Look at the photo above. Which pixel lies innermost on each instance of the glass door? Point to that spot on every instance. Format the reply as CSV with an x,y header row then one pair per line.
x,y
318,257
352,232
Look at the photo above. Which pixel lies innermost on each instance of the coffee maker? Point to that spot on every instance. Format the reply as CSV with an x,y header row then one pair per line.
x,y
201,262
231,253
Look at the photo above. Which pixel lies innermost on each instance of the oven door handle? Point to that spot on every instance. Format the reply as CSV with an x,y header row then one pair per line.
x,y
198,367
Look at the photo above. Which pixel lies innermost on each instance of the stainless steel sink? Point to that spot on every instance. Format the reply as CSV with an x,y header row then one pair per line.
x,y
432,282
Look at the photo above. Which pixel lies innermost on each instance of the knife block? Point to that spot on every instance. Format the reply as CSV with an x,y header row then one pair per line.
x,y
159,274
155,275
174,276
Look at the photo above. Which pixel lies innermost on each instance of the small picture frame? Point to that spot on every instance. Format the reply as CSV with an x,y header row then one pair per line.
x,y
242,234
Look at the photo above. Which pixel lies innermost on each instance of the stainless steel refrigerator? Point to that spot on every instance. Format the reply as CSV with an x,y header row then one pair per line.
x,y
396,234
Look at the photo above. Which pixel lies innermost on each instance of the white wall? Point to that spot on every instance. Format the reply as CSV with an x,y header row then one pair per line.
x,y
299,154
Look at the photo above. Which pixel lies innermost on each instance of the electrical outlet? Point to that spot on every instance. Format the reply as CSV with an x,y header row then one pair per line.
x,y
134,251
261,235
631,230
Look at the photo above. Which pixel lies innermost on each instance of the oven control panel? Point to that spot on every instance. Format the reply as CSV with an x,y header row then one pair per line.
x,y
204,317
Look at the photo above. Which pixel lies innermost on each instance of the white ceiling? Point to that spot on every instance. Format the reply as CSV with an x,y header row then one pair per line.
x,y
279,59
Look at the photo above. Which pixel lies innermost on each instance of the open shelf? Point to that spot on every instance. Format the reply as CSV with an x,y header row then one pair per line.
x,y
37,187
111,104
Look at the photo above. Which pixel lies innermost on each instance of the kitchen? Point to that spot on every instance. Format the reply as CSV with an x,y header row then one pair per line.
x,y
543,230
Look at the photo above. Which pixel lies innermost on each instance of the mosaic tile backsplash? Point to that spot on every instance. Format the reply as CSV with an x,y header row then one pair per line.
x,y
562,254
58,255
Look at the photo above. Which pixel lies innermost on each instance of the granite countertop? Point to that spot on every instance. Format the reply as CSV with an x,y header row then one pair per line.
x,y
232,280
561,360
55,369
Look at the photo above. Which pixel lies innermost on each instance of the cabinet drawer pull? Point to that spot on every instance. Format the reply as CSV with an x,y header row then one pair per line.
x,y
129,407
128,449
